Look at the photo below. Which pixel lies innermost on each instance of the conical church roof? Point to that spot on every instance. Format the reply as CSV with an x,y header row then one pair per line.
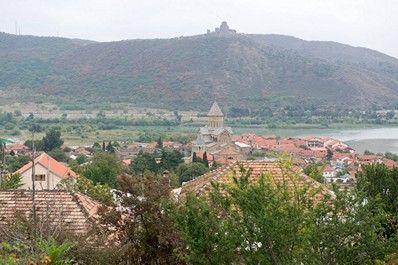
x,y
215,111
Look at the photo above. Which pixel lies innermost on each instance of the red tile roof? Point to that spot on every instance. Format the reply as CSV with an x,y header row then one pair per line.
x,y
67,210
390,163
83,151
202,184
370,158
126,162
209,156
55,167
323,140
329,169
17,147
227,153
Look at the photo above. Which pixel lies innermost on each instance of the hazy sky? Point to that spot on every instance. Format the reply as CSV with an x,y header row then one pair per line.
x,y
367,23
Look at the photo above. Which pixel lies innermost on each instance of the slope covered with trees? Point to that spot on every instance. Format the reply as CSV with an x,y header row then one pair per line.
x,y
242,70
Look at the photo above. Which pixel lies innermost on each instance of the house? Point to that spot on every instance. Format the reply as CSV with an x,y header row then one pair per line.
x,y
243,148
61,211
225,174
18,149
226,156
329,172
48,173
82,151
312,141
369,159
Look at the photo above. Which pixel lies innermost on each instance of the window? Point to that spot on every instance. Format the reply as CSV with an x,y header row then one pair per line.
x,y
40,177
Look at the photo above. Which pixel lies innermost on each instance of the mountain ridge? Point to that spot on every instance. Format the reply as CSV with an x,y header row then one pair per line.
x,y
244,70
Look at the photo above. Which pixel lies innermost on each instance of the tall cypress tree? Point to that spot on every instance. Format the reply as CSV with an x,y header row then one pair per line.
x,y
159,143
205,161
110,148
194,158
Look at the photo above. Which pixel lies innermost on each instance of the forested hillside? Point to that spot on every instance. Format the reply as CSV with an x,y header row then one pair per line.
x,y
240,70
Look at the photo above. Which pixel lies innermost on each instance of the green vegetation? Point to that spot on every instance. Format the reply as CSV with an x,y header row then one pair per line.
x,y
262,222
49,252
244,222
99,192
295,72
156,163
52,140
103,169
315,172
378,182
14,181
186,172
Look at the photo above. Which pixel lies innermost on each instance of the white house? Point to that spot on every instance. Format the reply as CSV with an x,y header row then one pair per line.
x,y
48,173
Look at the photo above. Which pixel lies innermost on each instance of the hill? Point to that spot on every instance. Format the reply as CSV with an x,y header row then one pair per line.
x,y
240,70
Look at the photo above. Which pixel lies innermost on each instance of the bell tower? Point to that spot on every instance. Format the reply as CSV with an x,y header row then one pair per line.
x,y
215,117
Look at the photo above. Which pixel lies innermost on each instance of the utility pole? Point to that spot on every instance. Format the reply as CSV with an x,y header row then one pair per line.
x,y
48,172
1,181
4,171
33,197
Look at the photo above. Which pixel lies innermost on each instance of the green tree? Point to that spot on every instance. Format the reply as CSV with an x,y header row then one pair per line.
x,y
103,169
148,234
170,160
186,172
30,116
58,155
205,161
144,162
266,222
16,162
378,181
313,171
206,235
391,156
194,158
81,159
39,144
346,229
52,140
367,152
14,181
109,147
99,192
214,165
17,113
159,143
329,154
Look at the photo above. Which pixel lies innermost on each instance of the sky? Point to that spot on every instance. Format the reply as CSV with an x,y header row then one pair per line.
x,y
366,23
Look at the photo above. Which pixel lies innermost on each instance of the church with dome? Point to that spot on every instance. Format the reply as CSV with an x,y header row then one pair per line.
x,y
217,140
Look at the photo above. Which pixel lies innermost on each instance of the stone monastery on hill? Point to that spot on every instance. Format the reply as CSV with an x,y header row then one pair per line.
x,y
216,140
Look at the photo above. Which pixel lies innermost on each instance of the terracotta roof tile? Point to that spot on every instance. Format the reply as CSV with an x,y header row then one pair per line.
x,y
55,166
202,184
70,211
17,147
